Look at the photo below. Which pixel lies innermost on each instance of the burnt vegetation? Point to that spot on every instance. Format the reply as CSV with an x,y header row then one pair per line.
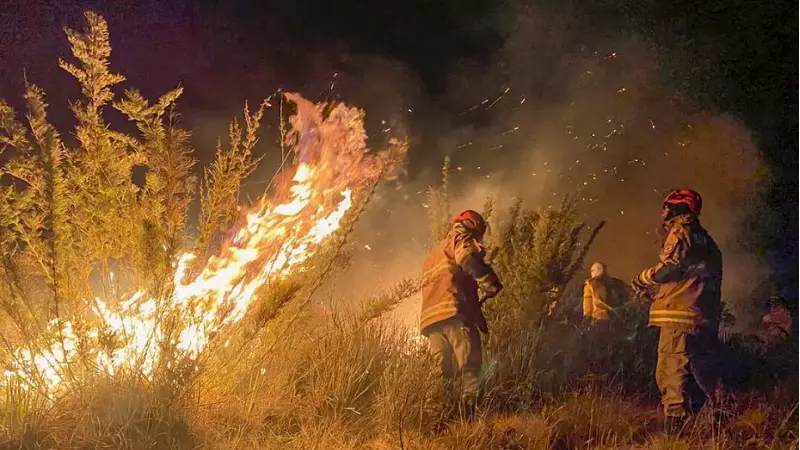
x,y
73,226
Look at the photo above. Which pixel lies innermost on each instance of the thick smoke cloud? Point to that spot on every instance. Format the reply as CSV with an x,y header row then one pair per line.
x,y
546,118
552,112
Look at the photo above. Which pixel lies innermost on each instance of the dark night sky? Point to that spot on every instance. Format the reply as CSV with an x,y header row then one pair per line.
x,y
732,56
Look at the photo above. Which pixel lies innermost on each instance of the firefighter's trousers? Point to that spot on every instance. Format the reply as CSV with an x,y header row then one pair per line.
x,y
688,369
457,347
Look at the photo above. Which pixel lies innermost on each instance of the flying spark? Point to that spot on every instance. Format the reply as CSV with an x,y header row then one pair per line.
x,y
279,234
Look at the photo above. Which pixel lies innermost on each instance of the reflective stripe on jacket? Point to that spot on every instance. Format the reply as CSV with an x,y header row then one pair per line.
x,y
448,290
688,277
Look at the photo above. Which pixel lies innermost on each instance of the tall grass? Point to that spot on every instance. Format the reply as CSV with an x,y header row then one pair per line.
x,y
285,377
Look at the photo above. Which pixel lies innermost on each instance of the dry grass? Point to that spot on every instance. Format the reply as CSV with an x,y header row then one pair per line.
x,y
349,384
290,379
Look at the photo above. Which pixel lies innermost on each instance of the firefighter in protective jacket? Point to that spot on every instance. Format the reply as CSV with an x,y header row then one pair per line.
x,y
451,316
686,307
602,295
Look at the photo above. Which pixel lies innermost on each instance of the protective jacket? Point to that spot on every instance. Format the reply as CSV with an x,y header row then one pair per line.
x,y
602,295
687,277
452,274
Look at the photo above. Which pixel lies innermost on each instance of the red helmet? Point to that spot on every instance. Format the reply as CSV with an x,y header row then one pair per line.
x,y
688,197
478,223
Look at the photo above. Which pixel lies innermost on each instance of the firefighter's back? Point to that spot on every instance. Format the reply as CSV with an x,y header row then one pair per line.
x,y
438,294
696,292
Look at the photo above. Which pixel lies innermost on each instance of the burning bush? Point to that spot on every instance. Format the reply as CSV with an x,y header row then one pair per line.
x,y
118,333
95,287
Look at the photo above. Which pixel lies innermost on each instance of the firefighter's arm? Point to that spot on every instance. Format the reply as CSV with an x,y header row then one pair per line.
x,y
670,265
469,255
588,300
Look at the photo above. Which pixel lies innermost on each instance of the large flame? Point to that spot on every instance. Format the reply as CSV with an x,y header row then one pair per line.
x,y
275,238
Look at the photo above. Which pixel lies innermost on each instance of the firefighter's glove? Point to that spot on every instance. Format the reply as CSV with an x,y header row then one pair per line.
x,y
490,285
487,280
490,255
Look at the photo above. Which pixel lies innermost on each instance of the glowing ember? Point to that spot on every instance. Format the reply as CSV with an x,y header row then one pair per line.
x,y
275,238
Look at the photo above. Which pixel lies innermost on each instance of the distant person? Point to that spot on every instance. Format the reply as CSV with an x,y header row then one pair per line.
x,y
776,323
451,316
686,307
602,296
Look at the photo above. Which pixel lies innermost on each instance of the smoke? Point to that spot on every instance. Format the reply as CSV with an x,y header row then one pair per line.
x,y
547,117
553,111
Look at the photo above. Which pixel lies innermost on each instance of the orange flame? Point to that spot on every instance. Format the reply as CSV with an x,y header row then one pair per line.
x,y
275,238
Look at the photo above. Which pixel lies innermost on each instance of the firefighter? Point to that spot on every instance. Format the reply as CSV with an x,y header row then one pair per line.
x,y
776,323
602,298
602,295
451,317
686,306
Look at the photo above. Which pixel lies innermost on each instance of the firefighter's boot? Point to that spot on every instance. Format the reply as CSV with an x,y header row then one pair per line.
x,y
467,408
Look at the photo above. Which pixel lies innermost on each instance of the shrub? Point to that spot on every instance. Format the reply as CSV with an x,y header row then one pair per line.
x,y
73,225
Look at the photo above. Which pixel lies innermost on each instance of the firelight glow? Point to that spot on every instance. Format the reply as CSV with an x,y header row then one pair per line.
x,y
275,238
